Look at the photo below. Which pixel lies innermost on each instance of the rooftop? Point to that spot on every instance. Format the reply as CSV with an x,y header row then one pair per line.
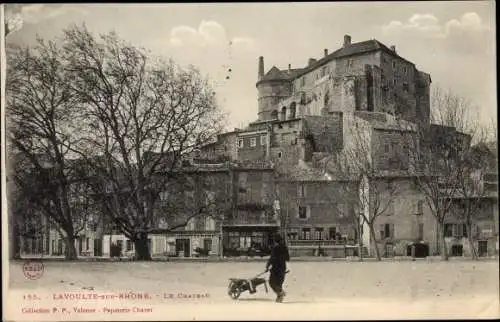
x,y
353,49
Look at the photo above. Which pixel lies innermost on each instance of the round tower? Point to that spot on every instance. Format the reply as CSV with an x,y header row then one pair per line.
x,y
271,88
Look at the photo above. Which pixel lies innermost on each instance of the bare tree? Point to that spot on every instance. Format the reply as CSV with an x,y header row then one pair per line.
x,y
40,115
473,163
439,155
142,116
374,194
198,193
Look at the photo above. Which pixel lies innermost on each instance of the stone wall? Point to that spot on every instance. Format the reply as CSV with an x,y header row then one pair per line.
x,y
269,94
422,92
390,150
252,153
325,204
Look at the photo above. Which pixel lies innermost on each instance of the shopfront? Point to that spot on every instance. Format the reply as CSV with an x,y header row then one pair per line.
x,y
238,240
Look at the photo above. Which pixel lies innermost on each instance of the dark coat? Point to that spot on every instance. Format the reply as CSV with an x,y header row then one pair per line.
x,y
278,259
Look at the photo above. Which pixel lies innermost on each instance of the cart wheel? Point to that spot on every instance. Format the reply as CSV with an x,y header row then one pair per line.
x,y
233,292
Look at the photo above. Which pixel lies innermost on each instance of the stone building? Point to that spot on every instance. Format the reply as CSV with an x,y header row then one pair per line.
x,y
363,76
365,94
281,173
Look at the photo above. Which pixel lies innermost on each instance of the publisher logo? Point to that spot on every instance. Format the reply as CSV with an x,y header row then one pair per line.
x,y
33,270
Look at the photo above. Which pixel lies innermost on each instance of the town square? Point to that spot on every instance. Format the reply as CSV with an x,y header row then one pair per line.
x,y
284,156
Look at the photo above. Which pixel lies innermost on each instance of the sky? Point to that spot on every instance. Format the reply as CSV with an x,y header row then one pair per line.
x,y
453,41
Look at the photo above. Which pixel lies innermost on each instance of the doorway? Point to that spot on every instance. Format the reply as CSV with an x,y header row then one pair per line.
x,y
457,250
182,246
482,248
97,247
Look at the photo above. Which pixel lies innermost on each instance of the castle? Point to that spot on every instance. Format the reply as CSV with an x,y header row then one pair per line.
x,y
273,174
364,76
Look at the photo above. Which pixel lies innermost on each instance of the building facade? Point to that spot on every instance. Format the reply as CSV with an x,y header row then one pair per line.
x,y
278,174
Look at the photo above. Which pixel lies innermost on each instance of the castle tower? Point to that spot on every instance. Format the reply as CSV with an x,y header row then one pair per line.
x,y
271,88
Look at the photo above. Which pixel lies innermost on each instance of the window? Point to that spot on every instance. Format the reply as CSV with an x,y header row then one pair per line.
x,y
387,148
386,231
406,87
293,113
87,244
420,207
303,82
129,245
306,233
302,212
240,143
242,178
482,248
292,235
301,190
405,70
394,82
420,231
119,245
464,231
390,208
263,140
319,234
448,230
209,224
455,230
394,65
253,142
207,244
323,71
280,155
332,233
190,224
350,63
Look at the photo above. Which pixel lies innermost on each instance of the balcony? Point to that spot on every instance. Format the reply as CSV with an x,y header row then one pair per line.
x,y
321,242
244,216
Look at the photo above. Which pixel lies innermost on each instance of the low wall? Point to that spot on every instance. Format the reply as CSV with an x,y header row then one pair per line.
x,y
330,251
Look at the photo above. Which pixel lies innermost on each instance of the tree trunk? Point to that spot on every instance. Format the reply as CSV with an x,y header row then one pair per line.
x,y
444,252
473,251
374,241
70,253
360,243
142,252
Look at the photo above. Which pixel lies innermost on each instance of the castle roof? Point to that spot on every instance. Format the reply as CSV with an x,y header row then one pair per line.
x,y
352,50
275,74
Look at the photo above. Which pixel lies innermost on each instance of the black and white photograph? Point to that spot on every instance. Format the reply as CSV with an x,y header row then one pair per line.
x,y
249,161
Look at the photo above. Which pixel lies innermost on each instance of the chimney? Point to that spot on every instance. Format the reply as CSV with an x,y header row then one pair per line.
x,y
311,61
393,48
261,66
289,67
347,40
326,52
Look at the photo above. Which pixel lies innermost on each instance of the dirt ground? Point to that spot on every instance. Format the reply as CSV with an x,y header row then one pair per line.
x,y
345,289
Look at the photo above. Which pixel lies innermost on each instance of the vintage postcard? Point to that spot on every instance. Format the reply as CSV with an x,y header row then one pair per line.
x,y
240,161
